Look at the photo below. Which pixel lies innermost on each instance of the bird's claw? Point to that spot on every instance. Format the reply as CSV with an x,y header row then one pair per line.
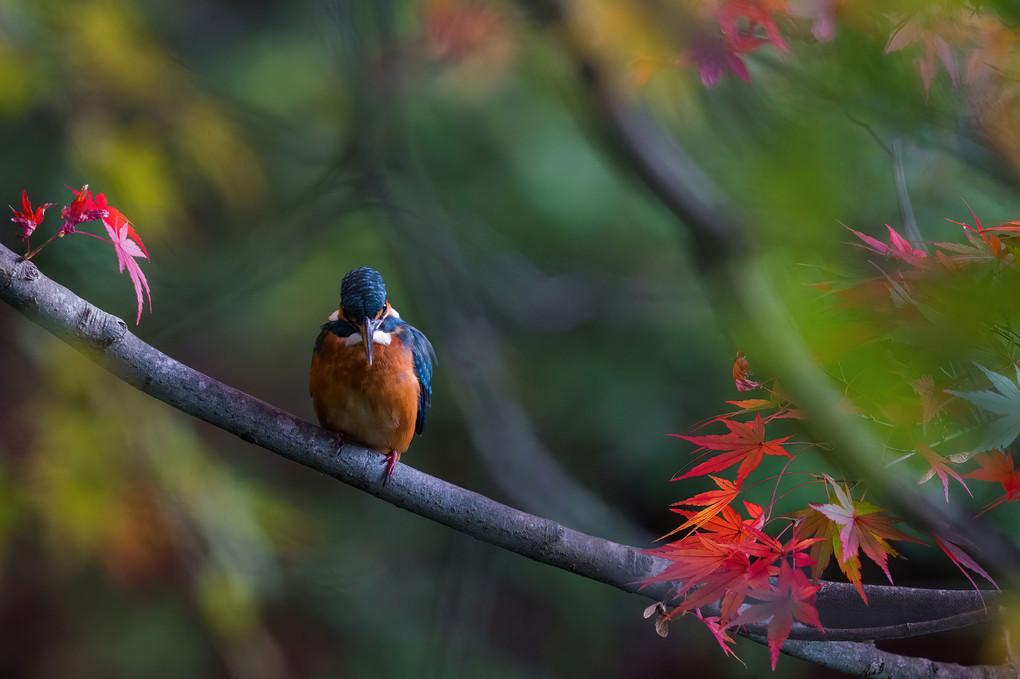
x,y
392,458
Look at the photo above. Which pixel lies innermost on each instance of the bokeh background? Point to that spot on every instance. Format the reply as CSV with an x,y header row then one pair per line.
x,y
262,149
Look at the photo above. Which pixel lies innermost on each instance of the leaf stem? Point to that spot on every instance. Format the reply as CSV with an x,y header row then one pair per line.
x,y
33,253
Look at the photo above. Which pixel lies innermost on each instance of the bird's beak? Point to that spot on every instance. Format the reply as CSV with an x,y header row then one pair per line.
x,y
368,328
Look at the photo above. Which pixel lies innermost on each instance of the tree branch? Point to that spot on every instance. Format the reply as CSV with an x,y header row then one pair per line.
x,y
868,661
895,611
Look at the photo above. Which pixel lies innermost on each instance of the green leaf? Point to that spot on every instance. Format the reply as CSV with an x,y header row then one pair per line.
x,y
1005,401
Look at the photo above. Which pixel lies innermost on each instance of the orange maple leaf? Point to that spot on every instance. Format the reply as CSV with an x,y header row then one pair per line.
x,y
742,373
729,526
932,399
995,44
713,500
815,524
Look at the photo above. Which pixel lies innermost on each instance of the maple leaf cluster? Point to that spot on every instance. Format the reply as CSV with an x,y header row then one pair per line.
x,y
735,562
728,556
923,295
85,207
966,40
725,31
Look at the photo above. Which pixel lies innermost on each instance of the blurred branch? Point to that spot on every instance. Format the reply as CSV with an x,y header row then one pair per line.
x,y
105,339
903,197
866,660
895,152
504,436
643,148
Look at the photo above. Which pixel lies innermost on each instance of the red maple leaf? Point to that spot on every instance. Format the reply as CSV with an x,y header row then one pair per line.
x,y
998,467
770,549
745,444
707,570
984,244
756,13
862,528
792,598
81,209
28,219
123,237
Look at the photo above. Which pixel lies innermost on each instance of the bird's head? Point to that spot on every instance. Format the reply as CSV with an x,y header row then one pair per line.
x,y
363,303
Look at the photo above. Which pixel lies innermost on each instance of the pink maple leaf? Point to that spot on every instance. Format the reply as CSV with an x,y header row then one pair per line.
x,y
862,528
821,13
713,56
718,630
898,246
918,30
950,544
114,215
128,247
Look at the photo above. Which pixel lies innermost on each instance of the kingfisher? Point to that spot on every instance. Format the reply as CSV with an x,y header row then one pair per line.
x,y
371,377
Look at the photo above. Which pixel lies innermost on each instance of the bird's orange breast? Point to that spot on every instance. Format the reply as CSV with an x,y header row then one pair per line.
x,y
375,405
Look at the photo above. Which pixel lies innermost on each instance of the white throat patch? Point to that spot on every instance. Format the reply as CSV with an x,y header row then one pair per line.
x,y
379,337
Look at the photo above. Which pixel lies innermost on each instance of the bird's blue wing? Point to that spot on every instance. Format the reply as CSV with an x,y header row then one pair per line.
x,y
424,358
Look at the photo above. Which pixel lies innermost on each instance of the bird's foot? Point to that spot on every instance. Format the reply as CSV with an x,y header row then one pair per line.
x,y
392,458
340,438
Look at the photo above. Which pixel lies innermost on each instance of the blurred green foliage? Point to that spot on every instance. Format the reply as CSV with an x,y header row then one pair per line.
x,y
262,150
